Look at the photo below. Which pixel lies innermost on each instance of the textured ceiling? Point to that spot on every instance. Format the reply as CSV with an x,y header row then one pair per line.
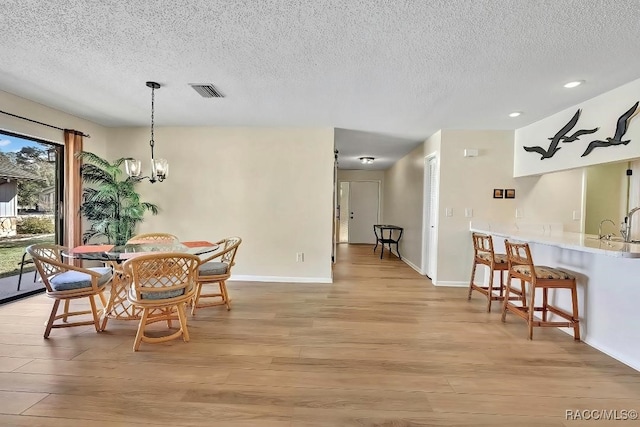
x,y
385,73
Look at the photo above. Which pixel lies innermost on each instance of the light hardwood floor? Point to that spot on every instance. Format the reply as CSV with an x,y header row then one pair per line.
x,y
380,346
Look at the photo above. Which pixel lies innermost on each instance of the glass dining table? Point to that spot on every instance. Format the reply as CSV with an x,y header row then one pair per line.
x,y
119,306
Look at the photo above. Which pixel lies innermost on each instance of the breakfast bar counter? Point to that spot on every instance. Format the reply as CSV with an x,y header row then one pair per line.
x,y
608,277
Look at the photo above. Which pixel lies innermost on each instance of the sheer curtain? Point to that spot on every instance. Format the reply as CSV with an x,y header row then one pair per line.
x,y
73,189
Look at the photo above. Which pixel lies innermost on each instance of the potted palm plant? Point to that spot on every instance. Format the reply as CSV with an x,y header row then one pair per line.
x,y
110,204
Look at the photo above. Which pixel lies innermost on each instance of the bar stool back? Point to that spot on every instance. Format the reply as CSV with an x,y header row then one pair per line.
x,y
521,267
484,255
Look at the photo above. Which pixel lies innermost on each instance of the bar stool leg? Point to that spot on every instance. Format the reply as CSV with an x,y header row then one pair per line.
x,y
544,303
531,311
490,289
473,274
505,301
576,324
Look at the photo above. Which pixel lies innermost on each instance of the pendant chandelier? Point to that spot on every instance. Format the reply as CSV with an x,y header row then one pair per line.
x,y
159,167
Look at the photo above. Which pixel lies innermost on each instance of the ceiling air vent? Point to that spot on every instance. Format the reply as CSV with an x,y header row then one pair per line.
x,y
207,90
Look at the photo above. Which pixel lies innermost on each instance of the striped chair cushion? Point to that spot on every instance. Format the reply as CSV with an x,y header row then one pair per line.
x,y
543,272
499,258
76,279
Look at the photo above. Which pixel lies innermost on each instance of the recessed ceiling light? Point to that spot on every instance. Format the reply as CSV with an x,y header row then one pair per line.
x,y
515,114
366,160
574,84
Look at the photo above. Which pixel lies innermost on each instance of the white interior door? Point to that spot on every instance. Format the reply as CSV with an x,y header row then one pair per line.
x,y
344,212
364,204
430,223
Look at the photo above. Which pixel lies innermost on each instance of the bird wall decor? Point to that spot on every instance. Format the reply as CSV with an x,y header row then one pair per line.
x,y
561,136
621,129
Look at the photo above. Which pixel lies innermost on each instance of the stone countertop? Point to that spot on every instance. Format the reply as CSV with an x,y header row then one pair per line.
x,y
566,240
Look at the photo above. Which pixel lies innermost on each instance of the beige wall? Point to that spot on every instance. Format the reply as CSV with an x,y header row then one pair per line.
x,y
272,187
468,183
605,196
552,198
32,110
403,189
360,175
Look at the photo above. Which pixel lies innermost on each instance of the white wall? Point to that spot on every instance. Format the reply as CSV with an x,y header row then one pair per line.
x,y
403,191
272,187
602,111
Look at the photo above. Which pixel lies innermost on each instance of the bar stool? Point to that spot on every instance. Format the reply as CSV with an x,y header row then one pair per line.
x,y
484,254
521,267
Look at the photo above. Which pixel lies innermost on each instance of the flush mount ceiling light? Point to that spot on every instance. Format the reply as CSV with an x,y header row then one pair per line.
x,y
515,114
367,160
574,84
160,167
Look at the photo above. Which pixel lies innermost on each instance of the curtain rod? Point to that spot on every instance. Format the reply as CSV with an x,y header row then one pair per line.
x,y
44,124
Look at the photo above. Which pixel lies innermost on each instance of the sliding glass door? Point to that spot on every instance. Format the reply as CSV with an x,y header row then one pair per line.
x,y
31,195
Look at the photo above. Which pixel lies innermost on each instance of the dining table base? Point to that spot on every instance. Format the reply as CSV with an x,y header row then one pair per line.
x,y
118,306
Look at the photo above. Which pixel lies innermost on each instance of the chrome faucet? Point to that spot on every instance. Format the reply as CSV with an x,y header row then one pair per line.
x,y
605,236
625,231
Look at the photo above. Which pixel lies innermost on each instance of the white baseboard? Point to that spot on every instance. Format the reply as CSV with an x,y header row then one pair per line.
x,y
280,279
452,284
412,265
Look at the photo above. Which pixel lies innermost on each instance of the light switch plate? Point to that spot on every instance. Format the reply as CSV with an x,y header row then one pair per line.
x,y
519,213
448,211
468,212
576,215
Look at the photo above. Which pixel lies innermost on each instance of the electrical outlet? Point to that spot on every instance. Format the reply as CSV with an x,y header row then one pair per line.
x,y
468,213
300,257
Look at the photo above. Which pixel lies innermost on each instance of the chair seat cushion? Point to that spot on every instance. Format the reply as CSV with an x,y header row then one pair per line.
x,y
160,283
162,295
212,269
77,280
499,258
544,272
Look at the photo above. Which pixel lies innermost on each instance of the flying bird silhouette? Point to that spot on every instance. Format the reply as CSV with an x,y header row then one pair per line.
x,y
553,147
577,134
621,129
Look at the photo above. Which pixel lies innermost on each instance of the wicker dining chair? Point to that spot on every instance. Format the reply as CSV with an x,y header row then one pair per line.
x,y
66,282
216,269
161,284
153,237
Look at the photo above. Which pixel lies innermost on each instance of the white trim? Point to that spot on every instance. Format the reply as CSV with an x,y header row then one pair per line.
x,y
280,279
452,284
412,265
605,350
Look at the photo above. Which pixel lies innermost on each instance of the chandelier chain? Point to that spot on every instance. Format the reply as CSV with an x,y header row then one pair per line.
x,y
151,142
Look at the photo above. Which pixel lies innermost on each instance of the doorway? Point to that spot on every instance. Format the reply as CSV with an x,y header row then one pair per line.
x,y
430,218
